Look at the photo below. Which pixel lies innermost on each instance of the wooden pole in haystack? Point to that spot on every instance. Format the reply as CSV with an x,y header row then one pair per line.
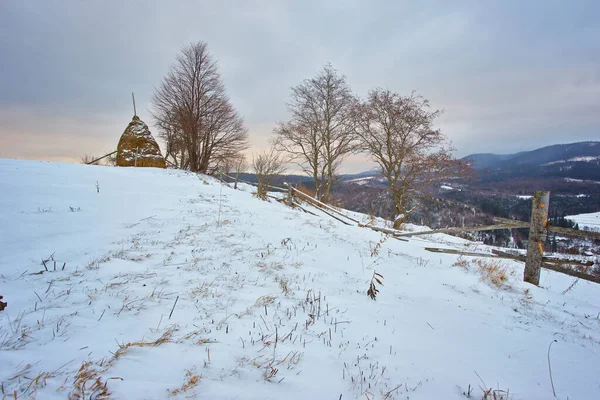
x,y
537,236
133,98
100,158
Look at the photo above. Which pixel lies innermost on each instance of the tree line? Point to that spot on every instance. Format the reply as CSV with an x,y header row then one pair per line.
x,y
204,133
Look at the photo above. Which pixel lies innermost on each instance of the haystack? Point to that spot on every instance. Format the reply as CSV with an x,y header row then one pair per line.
x,y
138,148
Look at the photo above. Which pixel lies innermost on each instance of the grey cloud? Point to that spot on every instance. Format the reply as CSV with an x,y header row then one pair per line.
x,y
511,75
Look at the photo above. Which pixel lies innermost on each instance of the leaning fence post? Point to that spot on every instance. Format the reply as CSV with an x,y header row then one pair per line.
x,y
537,237
290,198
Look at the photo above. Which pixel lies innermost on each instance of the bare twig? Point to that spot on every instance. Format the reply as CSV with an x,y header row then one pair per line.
x,y
173,309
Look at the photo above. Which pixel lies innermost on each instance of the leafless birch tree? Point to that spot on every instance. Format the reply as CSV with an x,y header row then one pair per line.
x,y
320,132
194,114
398,133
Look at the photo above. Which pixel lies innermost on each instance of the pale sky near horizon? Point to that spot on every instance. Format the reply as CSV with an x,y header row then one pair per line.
x,y
510,75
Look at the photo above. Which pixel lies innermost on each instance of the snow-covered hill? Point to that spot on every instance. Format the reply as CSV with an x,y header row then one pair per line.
x,y
587,221
160,283
550,155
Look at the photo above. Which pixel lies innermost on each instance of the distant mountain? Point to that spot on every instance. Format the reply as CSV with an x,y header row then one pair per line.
x,y
572,169
503,186
575,161
488,160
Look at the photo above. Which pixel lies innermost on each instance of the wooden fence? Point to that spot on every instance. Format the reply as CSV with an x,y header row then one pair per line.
x,y
538,229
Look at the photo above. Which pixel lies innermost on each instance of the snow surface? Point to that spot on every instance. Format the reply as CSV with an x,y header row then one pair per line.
x,y
575,159
580,180
589,220
267,302
360,181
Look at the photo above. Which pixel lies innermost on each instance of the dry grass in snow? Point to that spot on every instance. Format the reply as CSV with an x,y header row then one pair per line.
x,y
171,298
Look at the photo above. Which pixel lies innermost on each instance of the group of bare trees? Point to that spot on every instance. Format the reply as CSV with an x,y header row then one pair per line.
x,y
203,132
200,127
397,132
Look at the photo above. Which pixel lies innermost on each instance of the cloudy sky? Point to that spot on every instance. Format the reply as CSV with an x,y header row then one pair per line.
x,y
510,75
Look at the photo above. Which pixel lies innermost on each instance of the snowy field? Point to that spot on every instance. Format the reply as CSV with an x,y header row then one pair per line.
x,y
162,284
589,221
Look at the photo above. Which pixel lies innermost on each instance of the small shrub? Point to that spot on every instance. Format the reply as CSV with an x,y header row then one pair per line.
x,y
491,271
284,285
461,262
377,247
266,166
263,301
373,291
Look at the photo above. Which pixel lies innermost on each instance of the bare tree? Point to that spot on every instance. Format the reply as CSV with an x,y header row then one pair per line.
x,y
239,166
233,166
398,133
320,132
194,114
266,166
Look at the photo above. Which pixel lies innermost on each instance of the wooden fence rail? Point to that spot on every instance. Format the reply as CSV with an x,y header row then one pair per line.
x,y
554,229
504,223
310,199
276,188
515,224
553,264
